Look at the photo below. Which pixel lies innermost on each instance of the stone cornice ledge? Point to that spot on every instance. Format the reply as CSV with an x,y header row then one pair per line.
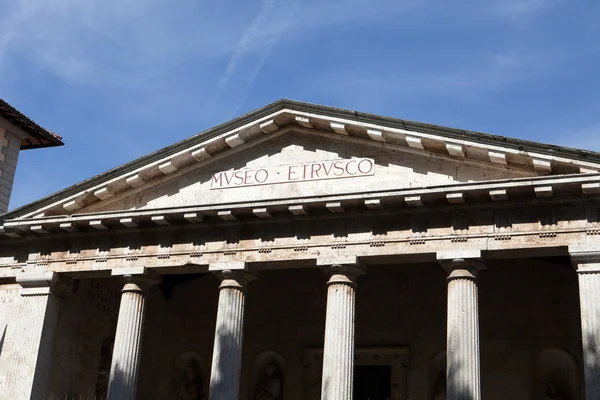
x,y
585,257
285,115
41,283
471,193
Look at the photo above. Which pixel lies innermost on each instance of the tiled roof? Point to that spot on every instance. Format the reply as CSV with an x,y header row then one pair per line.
x,y
38,136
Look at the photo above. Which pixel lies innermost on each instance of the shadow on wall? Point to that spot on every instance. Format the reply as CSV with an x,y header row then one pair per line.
x,y
120,384
230,348
103,374
555,375
460,392
2,337
592,373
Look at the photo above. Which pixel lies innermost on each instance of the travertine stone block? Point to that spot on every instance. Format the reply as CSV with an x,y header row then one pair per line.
x,y
586,260
229,332
31,359
338,352
462,347
125,364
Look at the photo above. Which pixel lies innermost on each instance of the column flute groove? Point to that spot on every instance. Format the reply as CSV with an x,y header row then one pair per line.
x,y
229,332
463,368
585,258
125,364
338,350
31,358
589,292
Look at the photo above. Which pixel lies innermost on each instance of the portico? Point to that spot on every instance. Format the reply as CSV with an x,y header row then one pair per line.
x,y
299,250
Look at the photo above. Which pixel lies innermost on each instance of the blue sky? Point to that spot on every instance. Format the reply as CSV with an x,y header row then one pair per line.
x,y
121,79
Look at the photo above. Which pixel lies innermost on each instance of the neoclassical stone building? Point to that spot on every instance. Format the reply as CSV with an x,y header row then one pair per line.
x,y
308,252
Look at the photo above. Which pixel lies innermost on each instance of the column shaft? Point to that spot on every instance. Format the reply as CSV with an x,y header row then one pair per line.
x,y
229,338
463,368
33,347
229,330
338,350
589,300
337,381
124,369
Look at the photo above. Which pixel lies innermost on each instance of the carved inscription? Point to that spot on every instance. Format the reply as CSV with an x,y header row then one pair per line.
x,y
293,173
104,299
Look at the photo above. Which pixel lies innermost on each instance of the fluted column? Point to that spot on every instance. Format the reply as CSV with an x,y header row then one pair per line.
x,y
31,357
338,350
124,369
463,378
587,263
229,331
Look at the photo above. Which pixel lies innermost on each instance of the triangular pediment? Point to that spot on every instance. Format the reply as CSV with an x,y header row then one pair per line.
x,y
291,150
302,165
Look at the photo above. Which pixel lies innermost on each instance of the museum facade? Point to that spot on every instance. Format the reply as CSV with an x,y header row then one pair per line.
x,y
309,252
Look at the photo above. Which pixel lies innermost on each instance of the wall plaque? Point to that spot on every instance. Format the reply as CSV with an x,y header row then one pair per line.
x,y
314,171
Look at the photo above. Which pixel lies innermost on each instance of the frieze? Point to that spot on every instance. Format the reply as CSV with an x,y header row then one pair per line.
x,y
277,254
386,234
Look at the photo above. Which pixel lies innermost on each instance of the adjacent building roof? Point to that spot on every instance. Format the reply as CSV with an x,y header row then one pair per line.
x,y
38,136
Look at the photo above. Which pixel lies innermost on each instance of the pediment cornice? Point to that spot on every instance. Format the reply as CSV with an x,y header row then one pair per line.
x,y
558,189
285,116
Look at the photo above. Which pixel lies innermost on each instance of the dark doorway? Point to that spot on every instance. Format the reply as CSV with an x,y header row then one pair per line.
x,y
372,382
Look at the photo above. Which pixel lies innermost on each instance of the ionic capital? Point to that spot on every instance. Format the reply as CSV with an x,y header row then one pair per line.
x,y
461,264
342,269
137,279
235,274
42,283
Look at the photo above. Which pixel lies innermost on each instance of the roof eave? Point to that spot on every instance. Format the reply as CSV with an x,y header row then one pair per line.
x,y
307,107
43,137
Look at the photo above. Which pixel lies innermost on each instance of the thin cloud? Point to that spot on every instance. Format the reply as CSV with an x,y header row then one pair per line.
x,y
126,44
468,81
253,49
521,8
283,21
247,40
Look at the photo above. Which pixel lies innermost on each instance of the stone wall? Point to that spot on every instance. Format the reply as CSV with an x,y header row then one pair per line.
x,y
9,314
88,317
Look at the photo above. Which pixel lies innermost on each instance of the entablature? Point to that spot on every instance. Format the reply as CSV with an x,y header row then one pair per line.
x,y
466,195
540,227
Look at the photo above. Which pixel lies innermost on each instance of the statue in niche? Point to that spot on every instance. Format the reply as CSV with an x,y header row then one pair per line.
x,y
191,385
270,386
553,392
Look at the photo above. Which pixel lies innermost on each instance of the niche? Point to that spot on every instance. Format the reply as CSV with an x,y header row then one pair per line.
x,y
188,378
268,376
555,376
